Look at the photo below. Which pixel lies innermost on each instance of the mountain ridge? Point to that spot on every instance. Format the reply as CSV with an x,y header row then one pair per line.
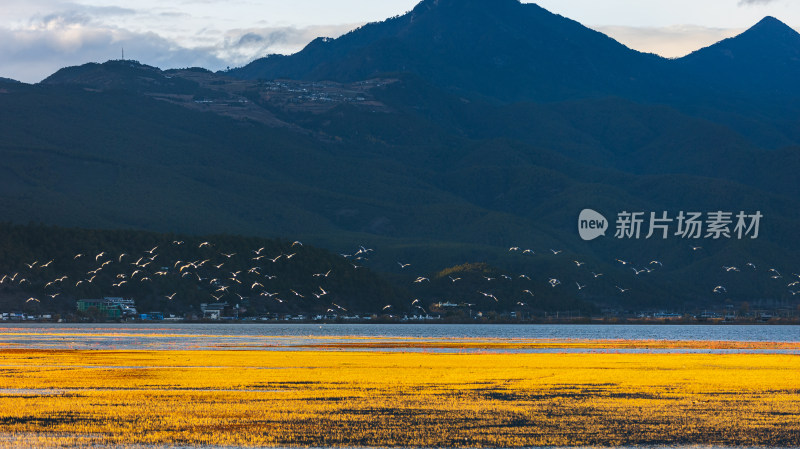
x,y
557,58
471,46
457,155
765,58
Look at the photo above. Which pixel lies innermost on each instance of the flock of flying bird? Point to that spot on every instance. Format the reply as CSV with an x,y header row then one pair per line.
x,y
553,282
223,276
636,271
220,275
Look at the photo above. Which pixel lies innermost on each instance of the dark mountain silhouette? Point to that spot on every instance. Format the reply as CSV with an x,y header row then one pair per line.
x,y
425,136
123,75
747,83
430,179
763,59
503,49
511,51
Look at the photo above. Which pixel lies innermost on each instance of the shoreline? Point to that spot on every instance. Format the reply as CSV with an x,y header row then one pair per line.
x,y
575,322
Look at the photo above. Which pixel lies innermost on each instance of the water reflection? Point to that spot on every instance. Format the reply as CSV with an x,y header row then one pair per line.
x,y
413,337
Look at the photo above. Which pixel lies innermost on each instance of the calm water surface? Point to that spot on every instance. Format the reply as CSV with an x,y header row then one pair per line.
x,y
287,336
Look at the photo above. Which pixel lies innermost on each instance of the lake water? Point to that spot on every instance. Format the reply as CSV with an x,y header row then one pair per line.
x,y
293,336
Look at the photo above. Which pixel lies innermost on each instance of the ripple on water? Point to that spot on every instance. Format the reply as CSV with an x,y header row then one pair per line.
x,y
295,336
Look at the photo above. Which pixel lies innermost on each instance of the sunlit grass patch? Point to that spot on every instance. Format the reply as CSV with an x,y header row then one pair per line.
x,y
371,398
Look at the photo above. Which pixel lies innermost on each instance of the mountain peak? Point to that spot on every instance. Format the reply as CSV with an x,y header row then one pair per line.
x,y
770,22
769,37
91,72
773,29
500,48
431,4
469,8
767,54
120,74
767,20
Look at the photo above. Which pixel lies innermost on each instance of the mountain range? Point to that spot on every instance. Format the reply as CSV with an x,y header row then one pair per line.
x,y
440,137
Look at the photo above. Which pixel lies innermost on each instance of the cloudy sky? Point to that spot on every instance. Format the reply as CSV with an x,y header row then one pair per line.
x,y
40,36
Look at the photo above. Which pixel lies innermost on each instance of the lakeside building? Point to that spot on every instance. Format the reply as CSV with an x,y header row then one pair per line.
x,y
110,308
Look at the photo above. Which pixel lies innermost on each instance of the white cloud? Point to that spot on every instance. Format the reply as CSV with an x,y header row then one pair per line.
x,y
243,45
41,36
33,54
48,43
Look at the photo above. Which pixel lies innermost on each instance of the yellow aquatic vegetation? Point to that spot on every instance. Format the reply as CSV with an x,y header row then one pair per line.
x,y
372,398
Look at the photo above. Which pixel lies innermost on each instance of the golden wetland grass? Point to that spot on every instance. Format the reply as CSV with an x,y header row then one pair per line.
x,y
468,396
